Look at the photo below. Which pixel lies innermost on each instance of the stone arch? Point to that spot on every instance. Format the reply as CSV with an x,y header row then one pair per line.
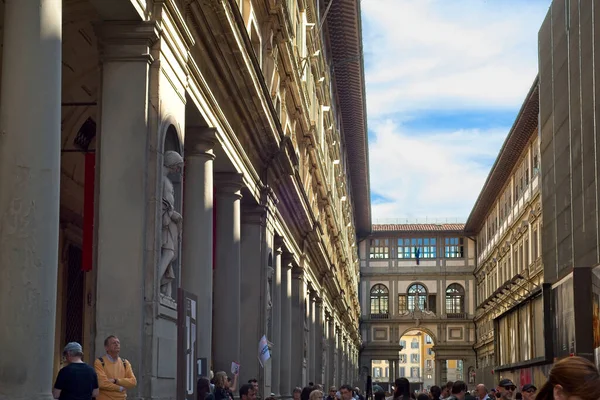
x,y
423,329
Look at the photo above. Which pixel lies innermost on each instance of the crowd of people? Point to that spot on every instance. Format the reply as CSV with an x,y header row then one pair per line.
x,y
572,378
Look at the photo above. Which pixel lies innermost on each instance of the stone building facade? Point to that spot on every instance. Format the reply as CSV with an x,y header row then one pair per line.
x,y
569,44
218,147
507,223
417,277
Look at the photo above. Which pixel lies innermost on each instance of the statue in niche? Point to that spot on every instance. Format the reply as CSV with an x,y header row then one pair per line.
x,y
306,331
270,272
172,223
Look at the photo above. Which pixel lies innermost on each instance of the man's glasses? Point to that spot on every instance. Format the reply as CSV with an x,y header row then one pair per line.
x,y
531,391
511,388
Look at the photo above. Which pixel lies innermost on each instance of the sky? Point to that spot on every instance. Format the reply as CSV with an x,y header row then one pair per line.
x,y
445,80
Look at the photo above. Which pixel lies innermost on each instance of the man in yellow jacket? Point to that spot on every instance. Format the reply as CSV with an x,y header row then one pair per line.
x,y
115,375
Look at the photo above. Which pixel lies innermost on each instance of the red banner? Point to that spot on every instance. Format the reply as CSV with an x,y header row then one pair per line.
x,y
88,212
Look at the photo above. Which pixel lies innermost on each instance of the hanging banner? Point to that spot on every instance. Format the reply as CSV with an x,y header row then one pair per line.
x,y
263,351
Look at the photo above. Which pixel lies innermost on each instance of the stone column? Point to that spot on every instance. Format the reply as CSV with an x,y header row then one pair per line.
x,y
255,258
319,337
312,343
298,298
276,339
286,385
339,355
331,350
30,137
197,245
129,187
227,316
327,379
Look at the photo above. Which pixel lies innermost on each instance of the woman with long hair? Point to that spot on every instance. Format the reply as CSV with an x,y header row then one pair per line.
x,y
402,389
572,378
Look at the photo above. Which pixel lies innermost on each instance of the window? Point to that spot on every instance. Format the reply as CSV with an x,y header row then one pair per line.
x,y
417,297
417,248
430,351
414,372
455,295
380,248
414,358
535,244
402,303
402,356
377,372
379,299
428,339
401,372
454,248
526,247
429,363
414,344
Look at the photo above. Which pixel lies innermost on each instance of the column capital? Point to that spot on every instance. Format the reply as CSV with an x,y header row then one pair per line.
x,y
278,244
229,183
287,259
297,272
127,40
200,141
254,215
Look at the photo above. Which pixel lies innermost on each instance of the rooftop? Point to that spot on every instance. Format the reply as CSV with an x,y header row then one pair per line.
x,y
418,227
516,141
344,32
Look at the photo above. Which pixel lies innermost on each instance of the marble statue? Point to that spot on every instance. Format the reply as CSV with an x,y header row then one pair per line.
x,y
270,272
172,223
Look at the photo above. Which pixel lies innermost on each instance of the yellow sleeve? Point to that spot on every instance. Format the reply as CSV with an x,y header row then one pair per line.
x,y
129,382
103,381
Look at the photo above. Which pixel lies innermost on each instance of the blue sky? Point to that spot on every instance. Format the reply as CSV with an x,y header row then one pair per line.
x,y
445,80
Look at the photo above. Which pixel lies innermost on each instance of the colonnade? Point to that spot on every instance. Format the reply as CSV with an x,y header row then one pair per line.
x,y
226,245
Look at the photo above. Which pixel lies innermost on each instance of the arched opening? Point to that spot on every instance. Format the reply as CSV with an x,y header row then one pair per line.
x,y
380,300
455,301
416,361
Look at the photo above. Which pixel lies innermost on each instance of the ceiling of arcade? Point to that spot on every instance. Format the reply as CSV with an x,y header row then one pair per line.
x,y
80,81
80,88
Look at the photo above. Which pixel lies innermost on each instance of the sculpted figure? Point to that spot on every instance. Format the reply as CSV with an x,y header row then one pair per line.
x,y
270,272
171,223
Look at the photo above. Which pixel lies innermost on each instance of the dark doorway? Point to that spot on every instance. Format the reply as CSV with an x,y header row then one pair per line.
x,y
74,293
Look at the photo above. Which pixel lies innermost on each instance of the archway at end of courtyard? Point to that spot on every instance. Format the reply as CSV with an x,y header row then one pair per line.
x,y
417,363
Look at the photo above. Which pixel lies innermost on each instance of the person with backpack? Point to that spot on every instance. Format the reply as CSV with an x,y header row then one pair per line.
x,y
77,380
115,375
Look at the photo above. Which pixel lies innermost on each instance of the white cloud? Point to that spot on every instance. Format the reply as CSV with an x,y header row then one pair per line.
x,y
445,54
429,175
423,57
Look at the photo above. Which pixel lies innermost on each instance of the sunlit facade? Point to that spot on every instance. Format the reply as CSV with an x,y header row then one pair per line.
x,y
417,291
507,223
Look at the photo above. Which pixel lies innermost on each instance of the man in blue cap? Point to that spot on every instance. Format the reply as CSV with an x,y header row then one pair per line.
x,y
77,380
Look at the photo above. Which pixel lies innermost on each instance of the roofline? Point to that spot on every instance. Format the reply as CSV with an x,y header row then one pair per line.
x,y
472,226
366,127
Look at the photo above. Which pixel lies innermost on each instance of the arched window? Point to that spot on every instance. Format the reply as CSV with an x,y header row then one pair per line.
x,y
455,299
417,297
380,300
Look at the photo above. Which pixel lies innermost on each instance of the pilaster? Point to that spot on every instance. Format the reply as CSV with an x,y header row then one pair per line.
x,y
227,322
197,263
254,254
